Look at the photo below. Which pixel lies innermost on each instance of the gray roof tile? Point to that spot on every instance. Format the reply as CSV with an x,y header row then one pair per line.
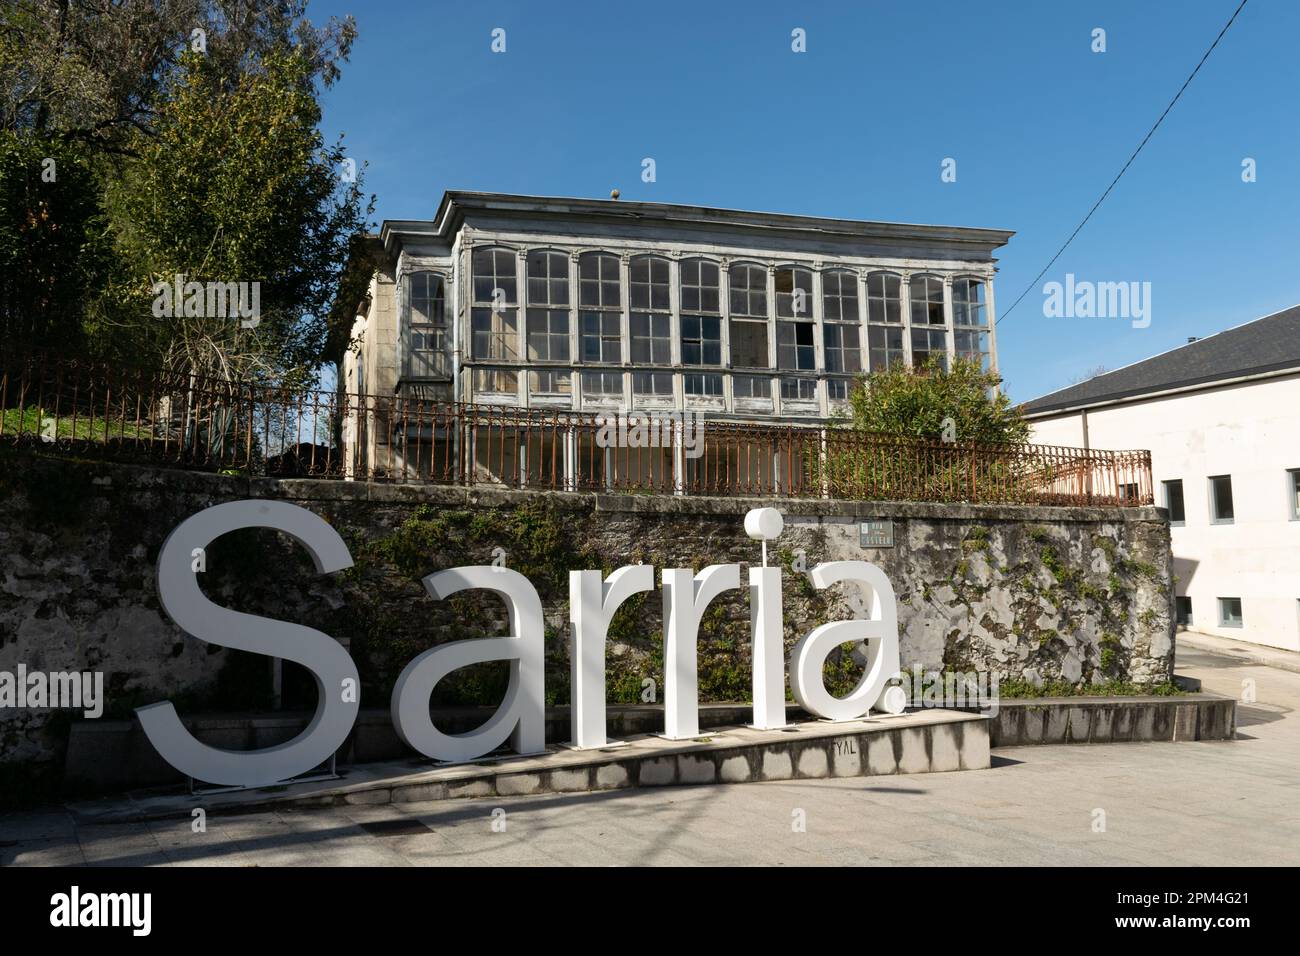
x,y
1268,344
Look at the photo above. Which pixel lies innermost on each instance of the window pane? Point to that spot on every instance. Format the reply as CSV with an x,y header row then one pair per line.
x,y
748,291
699,282
884,298
751,386
798,388
649,277
696,384
549,383
494,269
1221,498
794,293
495,334
1230,612
496,381
650,341
599,337
548,335
968,302
749,344
701,340
425,298
885,345
928,344
1295,493
794,346
602,383
548,278
973,345
840,297
842,348
927,300
652,383
1174,501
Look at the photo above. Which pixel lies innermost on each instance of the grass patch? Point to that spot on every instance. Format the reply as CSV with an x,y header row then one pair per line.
x,y
1022,689
39,421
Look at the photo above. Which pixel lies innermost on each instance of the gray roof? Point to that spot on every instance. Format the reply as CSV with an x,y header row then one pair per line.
x,y
455,200
628,217
1269,344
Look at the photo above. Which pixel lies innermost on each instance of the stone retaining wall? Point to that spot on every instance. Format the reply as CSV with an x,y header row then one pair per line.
x,y
1029,593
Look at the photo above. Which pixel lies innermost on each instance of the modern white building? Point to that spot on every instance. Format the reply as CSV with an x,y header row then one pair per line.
x,y
580,306
1221,416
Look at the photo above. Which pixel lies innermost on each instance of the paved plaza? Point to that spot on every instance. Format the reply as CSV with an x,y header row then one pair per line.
x,y
1213,803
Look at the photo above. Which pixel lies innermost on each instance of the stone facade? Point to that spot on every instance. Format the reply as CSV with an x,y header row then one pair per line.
x,y
1028,593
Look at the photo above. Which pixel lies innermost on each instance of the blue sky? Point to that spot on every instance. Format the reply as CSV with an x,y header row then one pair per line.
x,y
858,126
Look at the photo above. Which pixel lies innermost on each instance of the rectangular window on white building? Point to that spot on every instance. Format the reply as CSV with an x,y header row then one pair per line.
x,y
425,304
751,386
702,384
495,334
701,340
1293,492
886,346
496,381
602,384
548,335
798,389
1230,612
1183,611
1221,510
1174,502
927,344
599,337
837,389
656,384
651,339
549,383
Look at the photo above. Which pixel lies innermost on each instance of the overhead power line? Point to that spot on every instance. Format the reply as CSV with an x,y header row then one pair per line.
x,y
1150,132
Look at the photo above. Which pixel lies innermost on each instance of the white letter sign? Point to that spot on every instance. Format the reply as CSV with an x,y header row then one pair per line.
x,y
685,598
522,714
329,663
879,631
768,634
591,605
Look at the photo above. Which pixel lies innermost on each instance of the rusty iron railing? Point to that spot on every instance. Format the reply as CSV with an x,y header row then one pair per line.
x,y
114,413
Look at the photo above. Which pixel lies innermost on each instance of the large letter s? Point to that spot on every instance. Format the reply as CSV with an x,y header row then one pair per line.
x,y
330,664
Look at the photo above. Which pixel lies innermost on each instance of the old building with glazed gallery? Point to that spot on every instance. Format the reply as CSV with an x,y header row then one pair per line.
x,y
603,306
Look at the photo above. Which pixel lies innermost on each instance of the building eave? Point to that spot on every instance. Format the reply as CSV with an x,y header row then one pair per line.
x,y
1135,397
455,204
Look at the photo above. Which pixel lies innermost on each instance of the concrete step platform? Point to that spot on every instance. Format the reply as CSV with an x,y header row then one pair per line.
x,y
917,742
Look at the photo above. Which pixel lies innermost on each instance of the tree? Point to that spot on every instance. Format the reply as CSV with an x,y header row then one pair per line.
x,y
961,405
54,250
235,185
97,71
185,133
925,434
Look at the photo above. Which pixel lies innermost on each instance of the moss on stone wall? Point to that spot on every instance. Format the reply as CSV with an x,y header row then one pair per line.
x,y
1075,601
